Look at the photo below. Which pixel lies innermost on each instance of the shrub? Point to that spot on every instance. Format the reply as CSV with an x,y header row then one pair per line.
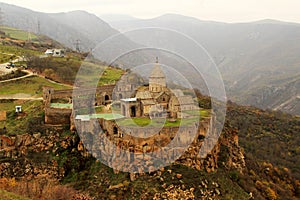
x,y
271,194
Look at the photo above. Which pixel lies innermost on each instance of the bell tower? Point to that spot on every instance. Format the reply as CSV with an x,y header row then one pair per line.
x,y
157,79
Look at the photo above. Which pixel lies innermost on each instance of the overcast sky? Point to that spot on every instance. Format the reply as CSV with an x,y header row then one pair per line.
x,y
217,10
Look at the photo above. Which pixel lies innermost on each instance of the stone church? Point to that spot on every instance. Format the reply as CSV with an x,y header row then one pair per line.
x,y
157,100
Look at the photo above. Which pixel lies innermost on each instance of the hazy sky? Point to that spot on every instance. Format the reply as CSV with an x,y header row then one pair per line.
x,y
218,10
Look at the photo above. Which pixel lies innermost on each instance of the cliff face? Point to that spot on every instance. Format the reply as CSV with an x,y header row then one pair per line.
x,y
37,154
33,155
224,152
59,154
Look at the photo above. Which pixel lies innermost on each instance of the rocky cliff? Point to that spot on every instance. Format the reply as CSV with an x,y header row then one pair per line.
x,y
44,153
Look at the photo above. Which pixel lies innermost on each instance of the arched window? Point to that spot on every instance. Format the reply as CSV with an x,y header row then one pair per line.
x,y
115,130
132,111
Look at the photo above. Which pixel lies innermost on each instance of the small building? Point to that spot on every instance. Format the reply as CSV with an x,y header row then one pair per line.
x,y
18,109
49,52
130,107
59,53
55,52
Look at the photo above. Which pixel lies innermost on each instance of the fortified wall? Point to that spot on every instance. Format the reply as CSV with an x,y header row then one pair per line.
x,y
197,145
58,116
133,149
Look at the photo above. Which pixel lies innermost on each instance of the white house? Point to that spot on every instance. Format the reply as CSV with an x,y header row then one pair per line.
x,y
49,52
55,52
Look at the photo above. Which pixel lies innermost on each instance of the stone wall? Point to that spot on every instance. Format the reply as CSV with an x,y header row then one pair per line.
x,y
57,116
187,147
21,155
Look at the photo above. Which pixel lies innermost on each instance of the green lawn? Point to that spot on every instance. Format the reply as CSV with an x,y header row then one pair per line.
x,y
61,105
17,34
31,85
156,122
203,112
107,116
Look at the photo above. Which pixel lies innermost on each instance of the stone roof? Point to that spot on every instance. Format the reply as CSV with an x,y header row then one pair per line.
x,y
143,95
161,93
185,100
148,102
177,92
157,72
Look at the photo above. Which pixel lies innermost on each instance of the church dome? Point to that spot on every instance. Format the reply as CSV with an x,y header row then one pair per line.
x,y
157,72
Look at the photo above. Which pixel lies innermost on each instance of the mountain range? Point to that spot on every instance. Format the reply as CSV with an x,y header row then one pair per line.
x,y
259,61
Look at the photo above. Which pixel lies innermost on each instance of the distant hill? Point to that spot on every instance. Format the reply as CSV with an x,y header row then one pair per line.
x,y
66,28
75,27
116,18
259,61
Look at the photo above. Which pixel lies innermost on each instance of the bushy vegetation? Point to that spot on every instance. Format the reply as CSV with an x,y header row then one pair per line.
x,y
103,183
271,146
4,58
13,74
268,135
60,69
37,189
65,70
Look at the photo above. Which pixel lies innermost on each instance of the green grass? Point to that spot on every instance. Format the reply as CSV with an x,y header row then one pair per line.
x,y
17,124
99,109
203,112
110,76
31,85
4,195
107,116
17,34
91,73
61,105
144,121
18,51
141,122
4,58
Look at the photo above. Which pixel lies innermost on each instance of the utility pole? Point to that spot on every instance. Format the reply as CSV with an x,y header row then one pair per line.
x,y
29,36
1,18
39,27
28,31
77,45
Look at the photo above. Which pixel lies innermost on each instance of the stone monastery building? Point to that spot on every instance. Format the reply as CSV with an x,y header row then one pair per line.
x,y
157,100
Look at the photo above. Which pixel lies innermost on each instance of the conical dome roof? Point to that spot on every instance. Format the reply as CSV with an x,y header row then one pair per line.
x,y
157,72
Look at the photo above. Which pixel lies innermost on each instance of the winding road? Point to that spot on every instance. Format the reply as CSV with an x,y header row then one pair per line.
x,y
21,96
29,73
